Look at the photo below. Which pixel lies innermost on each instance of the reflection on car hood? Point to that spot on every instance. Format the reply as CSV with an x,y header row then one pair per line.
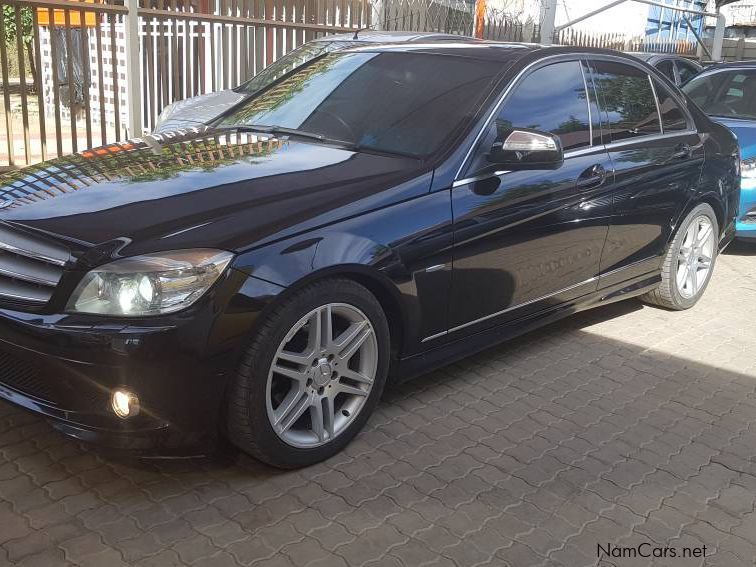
x,y
229,190
199,110
745,130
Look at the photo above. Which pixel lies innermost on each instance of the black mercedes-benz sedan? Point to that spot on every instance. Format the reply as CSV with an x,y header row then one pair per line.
x,y
374,214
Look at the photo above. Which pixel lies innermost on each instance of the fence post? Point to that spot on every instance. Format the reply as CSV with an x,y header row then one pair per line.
x,y
549,21
740,49
716,50
376,14
480,18
133,76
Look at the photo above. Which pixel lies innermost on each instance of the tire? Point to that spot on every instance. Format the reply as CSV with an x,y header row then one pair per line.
x,y
260,396
670,294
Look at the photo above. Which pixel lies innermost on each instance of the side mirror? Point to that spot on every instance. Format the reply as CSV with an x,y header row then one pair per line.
x,y
523,149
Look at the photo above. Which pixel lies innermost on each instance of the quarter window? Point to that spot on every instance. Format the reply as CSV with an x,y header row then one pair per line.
x,y
628,100
673,117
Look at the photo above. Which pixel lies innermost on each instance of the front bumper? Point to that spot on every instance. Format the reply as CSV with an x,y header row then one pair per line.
x,y
65,369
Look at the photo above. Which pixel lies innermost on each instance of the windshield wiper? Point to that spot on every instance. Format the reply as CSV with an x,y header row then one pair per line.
x,y
352,146
268,129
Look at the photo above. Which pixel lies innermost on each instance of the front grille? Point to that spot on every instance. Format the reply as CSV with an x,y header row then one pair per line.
x,y
24,377
30,266
51,385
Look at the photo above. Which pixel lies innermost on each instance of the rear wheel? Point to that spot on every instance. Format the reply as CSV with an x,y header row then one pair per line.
x,y
689,262
311,376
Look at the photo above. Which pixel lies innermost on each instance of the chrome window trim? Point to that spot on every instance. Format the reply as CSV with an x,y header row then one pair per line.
x,y
587,150
583,151
648,138
508,309
656,103
587,104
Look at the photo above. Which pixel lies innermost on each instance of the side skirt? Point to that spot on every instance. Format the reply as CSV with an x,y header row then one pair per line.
x,y
463,347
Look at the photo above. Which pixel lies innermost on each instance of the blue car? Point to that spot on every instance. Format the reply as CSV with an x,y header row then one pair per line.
x,y
727,93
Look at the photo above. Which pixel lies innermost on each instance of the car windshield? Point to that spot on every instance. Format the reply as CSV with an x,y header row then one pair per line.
x,y
729,93
289,62
394,102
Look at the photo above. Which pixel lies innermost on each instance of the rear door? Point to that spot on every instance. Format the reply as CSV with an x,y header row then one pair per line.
x,y
657,157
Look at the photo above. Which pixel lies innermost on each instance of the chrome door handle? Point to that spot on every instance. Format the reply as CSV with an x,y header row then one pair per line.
x,y
592,177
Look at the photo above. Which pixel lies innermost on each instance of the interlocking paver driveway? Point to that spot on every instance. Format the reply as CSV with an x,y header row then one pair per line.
x,y
622,425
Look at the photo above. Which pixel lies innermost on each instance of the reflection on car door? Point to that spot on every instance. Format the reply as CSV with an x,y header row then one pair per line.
x,y
528,239
657,157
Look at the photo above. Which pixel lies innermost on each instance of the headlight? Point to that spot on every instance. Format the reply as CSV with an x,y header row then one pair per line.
x,y
748,168
165,113
154,284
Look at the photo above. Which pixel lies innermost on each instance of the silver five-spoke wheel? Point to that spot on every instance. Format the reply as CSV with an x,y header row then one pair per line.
x,y
321,375
694,258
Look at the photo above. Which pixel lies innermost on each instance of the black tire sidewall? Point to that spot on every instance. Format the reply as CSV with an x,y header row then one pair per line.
x,y
253,373
702,209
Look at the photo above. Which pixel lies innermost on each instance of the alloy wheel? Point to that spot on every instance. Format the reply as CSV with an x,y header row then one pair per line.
x,y
695,257
322,374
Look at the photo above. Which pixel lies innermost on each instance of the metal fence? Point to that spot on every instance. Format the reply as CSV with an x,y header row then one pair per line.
x,y
623,42
65,79
69,66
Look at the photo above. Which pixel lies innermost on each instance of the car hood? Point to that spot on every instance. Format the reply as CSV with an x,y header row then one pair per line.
x,y
230,190
199,110
745,131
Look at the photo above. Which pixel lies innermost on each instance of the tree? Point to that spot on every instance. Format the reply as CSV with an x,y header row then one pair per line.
x,y
27,32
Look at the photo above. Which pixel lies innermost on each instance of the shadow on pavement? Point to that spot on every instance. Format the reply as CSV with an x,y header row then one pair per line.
x,y
531,452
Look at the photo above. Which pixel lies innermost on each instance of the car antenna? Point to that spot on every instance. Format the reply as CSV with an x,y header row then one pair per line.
x,y
355,37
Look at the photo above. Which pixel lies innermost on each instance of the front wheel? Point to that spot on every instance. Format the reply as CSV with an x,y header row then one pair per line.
x,y
689,262
311,376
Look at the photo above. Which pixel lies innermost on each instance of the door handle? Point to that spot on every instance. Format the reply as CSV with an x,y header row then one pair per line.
x,y
682,152
592,177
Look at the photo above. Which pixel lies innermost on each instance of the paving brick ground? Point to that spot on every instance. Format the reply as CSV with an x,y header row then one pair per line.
x,y
620,426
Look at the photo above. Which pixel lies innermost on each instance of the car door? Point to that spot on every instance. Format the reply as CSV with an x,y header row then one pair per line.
x,y
657,156
525,240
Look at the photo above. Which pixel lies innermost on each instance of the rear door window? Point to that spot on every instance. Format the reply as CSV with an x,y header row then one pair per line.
x,y
628,100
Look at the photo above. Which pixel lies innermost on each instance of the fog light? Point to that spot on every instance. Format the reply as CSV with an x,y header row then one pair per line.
x,y
124,403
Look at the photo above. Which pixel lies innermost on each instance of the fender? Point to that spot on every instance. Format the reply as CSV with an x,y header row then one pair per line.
x,y
402,252
719,186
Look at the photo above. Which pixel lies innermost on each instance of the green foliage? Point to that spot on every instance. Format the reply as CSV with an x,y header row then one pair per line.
x,y
9,22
